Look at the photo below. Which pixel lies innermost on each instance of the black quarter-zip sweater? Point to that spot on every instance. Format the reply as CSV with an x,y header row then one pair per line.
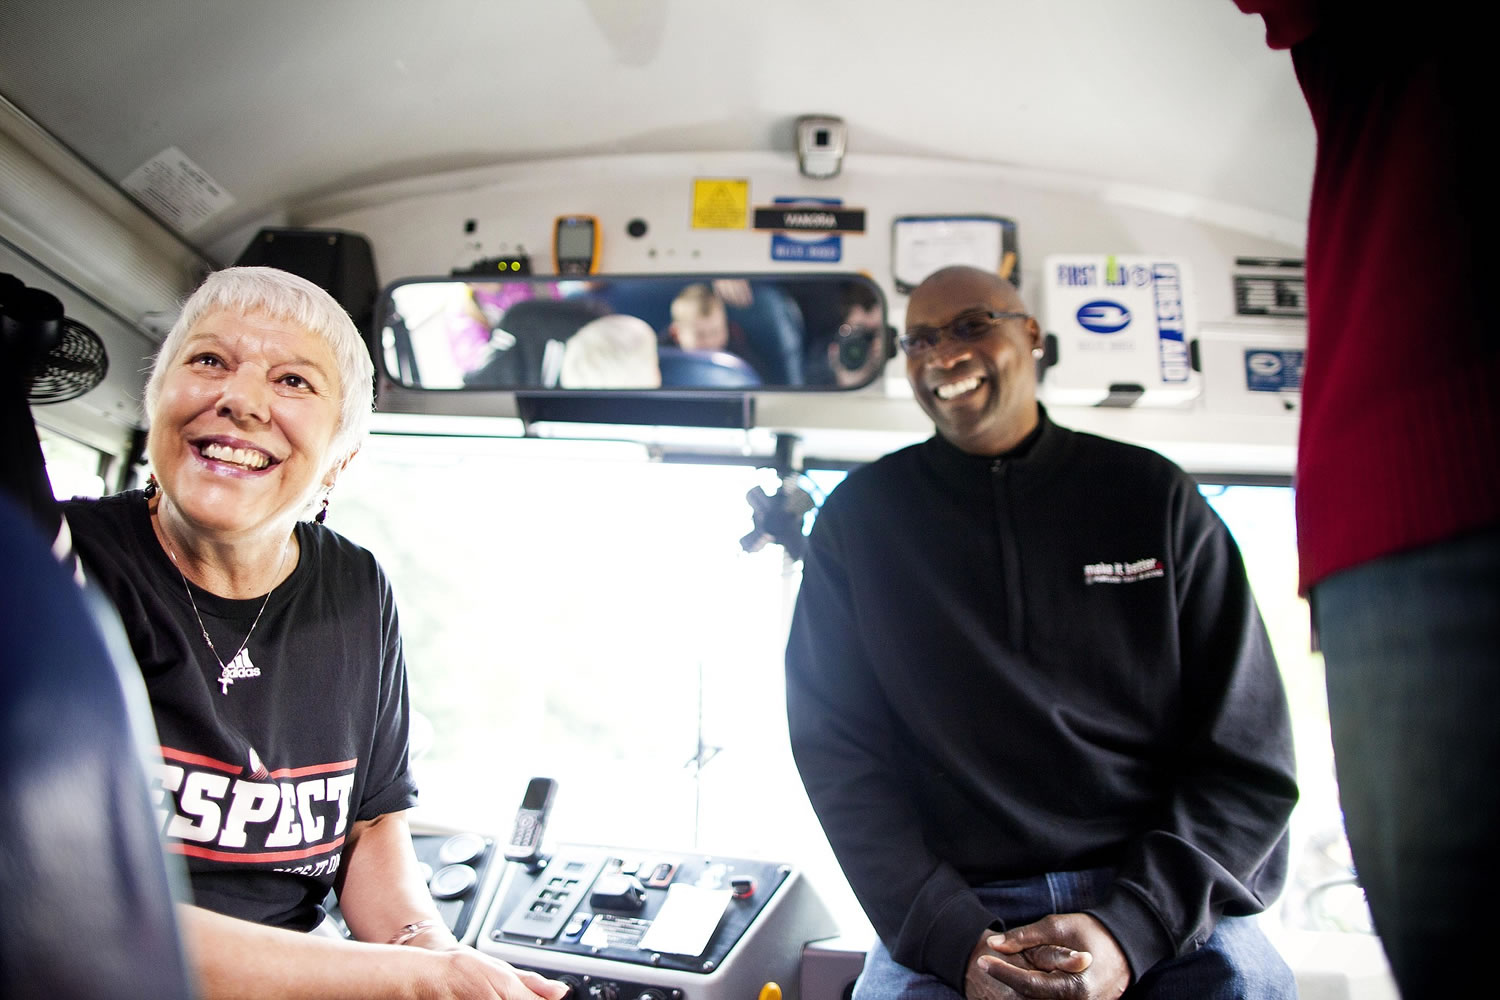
x,y
1046,661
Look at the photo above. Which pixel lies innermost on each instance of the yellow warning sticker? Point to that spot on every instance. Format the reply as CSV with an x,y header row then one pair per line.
x,y
721,204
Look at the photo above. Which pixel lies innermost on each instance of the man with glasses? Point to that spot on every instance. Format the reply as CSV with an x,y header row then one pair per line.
x,y
1029,691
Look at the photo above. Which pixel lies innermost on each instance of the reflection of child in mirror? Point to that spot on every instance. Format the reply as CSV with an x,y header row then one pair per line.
x,y
700,321
466,329
494,297
611,352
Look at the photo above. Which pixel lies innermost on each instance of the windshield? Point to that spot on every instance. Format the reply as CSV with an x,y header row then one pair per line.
x,y
573,610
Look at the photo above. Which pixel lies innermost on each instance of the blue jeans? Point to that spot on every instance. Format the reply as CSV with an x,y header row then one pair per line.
x,y
1237,962
1411,646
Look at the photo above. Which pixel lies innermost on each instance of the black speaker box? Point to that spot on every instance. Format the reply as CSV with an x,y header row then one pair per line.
x,y
340,262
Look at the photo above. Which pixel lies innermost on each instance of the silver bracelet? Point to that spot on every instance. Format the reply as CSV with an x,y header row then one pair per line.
x,y
410,931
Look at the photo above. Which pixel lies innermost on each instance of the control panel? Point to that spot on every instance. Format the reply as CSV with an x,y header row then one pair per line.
x,y
608,987
629,924
548,904
460,869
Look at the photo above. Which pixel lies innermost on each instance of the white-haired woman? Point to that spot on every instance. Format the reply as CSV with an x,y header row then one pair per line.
x,y
272,657
612,352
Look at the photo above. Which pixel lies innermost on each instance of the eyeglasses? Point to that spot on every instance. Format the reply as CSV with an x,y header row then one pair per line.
x,y
966,328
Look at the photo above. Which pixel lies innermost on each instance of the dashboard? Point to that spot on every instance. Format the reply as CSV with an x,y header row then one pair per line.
x,y
621,923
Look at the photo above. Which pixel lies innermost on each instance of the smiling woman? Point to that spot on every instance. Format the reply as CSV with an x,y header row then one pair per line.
x,y
270,294
285,765
243,424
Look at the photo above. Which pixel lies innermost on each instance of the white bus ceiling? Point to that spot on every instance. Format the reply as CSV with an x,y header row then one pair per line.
x,y
1099,127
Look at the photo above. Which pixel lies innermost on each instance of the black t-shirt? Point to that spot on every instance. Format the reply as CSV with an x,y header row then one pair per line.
x,y
266,762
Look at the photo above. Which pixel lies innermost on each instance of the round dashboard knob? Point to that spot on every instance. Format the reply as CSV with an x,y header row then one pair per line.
x,y
454,880
461,848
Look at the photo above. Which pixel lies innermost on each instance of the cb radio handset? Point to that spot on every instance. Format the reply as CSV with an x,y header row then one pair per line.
x,y
531,821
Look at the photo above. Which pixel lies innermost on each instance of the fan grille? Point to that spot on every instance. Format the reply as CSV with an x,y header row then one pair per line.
x,y
73,367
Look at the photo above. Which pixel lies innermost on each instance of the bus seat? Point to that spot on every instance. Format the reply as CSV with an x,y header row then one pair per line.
x,y
533,322
704,369
773,324
88,889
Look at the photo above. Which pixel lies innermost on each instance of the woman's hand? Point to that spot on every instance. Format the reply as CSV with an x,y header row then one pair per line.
x,y
470,975
501,977
232,961
467,972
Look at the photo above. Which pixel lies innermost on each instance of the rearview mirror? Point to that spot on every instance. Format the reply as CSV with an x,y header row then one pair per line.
x,y
700,332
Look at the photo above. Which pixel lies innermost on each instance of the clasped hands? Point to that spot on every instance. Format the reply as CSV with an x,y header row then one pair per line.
x,y
1065,956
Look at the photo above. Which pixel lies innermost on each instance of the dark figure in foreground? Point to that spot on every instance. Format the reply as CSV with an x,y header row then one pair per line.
x,y
1398,469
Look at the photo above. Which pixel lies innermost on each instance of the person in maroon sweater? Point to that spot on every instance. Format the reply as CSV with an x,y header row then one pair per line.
x,y
1398,473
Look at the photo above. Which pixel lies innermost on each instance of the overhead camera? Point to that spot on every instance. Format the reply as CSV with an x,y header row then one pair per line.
x,y
820,145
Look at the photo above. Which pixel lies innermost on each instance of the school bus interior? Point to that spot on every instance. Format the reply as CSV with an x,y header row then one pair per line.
x,y
585,591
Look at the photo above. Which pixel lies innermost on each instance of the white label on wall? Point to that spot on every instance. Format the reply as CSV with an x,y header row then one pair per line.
x,y
178,190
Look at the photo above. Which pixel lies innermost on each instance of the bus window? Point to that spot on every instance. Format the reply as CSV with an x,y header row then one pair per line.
x,y
589,615
1320,893
74,468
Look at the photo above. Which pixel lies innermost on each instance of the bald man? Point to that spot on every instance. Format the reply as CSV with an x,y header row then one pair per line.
x,y
1029,691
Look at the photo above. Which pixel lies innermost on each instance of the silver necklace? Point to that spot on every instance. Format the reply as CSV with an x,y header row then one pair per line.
x,y
226,677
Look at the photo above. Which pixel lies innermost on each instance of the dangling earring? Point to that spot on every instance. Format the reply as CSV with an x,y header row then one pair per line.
x,y
151,488
322,514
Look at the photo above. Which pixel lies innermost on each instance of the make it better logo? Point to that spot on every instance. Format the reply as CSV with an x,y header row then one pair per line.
x,y
1122,572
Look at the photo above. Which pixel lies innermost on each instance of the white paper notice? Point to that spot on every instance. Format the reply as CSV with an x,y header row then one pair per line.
x,y
686,920
922,245
177,189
